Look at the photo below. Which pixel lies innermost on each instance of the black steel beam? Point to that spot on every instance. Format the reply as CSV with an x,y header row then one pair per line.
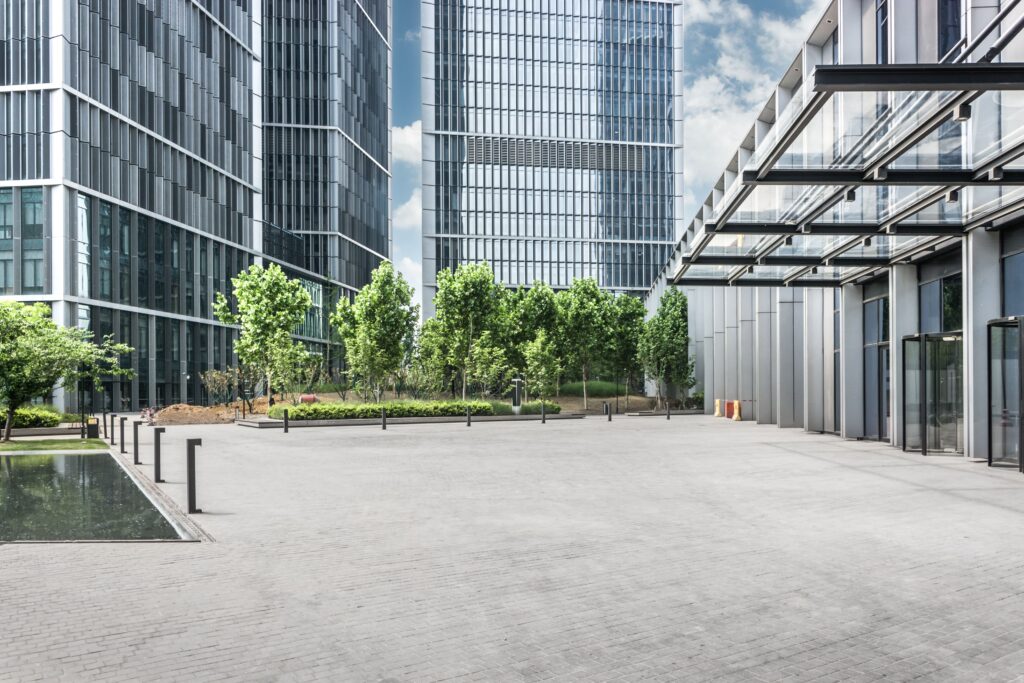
x,y
918,77
840,261
924,177
736,228
715,282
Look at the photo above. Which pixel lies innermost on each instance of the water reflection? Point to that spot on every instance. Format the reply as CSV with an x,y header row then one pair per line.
x,y
74,497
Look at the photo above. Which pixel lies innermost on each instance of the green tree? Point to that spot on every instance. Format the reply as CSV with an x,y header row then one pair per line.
x,y
488,366
664,344
375,326
36,353
466,302
539,311
431,373
627,325
269,306
585,315
542,366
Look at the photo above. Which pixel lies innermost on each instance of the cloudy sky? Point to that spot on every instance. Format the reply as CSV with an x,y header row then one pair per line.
x,y
735,53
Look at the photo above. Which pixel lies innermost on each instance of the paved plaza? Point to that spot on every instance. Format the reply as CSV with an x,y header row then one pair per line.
x,y
690,549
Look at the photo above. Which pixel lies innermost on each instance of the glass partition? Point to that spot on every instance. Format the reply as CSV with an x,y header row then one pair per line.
x,y
1005,393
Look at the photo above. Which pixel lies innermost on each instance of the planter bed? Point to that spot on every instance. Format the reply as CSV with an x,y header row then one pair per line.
x,y
661,413
46,431
270,423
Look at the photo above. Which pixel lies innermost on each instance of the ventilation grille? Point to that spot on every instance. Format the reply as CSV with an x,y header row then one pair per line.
x,y
591,156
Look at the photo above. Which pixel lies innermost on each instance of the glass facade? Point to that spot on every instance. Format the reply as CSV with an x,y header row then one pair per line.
x,y
327,115
150,170
551,139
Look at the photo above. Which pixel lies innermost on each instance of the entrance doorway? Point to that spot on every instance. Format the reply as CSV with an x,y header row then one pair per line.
x,y
933,393
1006,377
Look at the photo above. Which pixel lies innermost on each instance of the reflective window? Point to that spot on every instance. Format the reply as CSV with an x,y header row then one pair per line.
x,y
1013,284
7,241
33,266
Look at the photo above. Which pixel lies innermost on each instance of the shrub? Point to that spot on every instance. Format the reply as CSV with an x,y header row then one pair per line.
x,y
595,389
353,411
533,408
35,416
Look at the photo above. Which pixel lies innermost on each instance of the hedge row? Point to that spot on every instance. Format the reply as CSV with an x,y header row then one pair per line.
x,y
352,411
31,416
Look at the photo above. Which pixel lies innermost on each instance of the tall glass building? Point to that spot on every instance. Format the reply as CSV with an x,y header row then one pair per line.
x,y
133,165
552,139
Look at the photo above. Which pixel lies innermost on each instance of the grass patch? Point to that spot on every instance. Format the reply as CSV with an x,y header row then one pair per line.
x,y
53,445
595,388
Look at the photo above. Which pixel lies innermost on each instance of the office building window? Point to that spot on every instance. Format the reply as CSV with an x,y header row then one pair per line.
x,y
124,256
941,305
949,25
882,31
33,271
83,270
142,260
106,247
6,241
1013,284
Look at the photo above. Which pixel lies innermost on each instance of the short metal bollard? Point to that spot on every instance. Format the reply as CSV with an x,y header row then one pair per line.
x,y
668,411
135,441
285,420
469,417
543,413
384,419
104,423
608,409
190,473
123,444
113,421
157,431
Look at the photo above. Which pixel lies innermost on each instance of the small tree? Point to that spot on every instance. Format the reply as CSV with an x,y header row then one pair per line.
x,y
36,354
220,384
585,316
466,302
664,344
626,327
542,366
488,367
431,373
269,306
375,326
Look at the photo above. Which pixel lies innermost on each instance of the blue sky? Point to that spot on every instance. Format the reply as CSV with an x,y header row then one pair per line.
x,y
735,53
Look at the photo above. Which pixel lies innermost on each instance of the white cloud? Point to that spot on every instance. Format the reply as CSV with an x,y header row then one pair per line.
x,y
411,36
735,56
413,272
407,143
409,215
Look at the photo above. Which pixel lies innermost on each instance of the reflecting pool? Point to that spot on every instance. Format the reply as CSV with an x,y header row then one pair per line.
x,y
74,498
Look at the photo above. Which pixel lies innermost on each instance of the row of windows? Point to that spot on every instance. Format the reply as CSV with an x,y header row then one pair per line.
x,y
111,156
23,241
24,49
24,119
169,69
340,259
327,71
524,262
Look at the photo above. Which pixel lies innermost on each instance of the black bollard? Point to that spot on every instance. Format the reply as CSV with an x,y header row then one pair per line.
x,y
157,431
113,421
123,444
135,441
190,473
608,409
469,417
285,420
384,418
104,423
543,414
668,411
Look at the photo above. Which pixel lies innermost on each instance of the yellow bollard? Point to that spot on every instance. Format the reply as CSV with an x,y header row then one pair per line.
x,y
718,407
736,411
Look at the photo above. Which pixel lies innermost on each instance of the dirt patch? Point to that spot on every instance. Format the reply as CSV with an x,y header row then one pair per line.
x,y
184,414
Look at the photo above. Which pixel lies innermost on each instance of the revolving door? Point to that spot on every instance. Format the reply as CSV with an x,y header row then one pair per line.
x,y
933,393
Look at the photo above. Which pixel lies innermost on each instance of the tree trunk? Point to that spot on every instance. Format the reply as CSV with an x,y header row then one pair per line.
x,y
585,405
10,424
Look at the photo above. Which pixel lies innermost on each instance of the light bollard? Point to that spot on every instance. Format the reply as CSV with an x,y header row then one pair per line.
x,y
384,419
135,441
285,420
123,444
543,413
157,431
190,473
469,417
668,411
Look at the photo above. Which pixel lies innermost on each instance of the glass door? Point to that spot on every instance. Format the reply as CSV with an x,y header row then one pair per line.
x,y
933,393
1005,382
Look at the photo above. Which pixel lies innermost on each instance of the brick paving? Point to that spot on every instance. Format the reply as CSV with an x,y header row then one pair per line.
x,y
642,549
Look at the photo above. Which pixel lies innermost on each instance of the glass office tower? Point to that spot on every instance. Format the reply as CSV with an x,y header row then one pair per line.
x,y
552,139
132,169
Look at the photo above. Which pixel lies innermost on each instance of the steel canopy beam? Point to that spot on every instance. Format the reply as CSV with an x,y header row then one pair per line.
x,y
918,77
755,282
911,177
769,260
737,228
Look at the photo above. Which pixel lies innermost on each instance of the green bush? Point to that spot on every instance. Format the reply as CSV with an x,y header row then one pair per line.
x,y
533,408
352,411
33,416
595,389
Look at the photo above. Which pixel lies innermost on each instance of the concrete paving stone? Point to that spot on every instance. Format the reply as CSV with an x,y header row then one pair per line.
x,y
695,549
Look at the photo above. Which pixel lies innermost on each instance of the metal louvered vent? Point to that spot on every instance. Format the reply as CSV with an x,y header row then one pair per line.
x,y
591,156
